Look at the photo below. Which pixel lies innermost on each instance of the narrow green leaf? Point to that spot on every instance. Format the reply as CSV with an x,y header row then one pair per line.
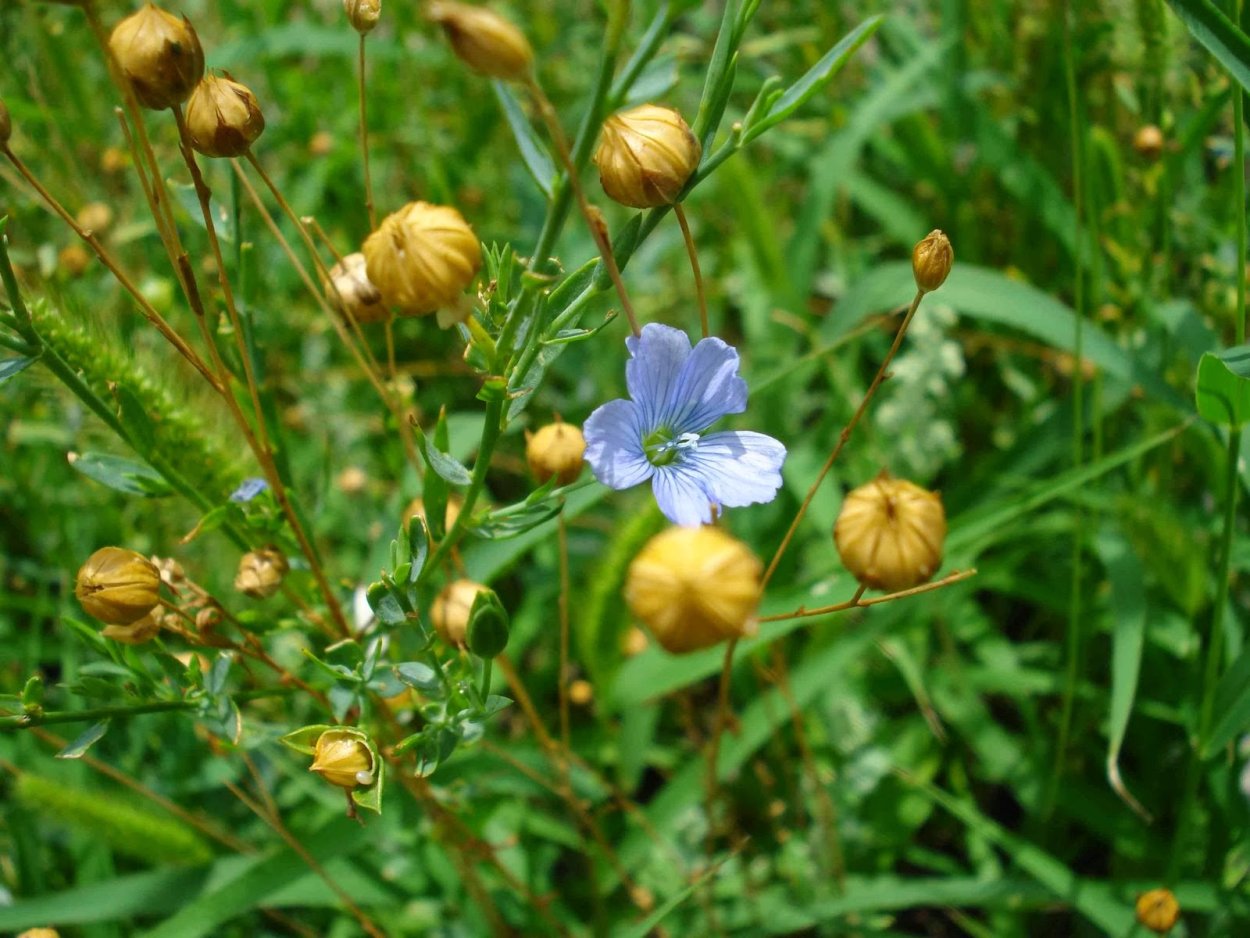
x,y
11,366
1232,705
1223,391
85,741
1218,35
534,154
445,466
122,475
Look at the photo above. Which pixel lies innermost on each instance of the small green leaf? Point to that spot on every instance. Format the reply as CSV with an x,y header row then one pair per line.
x,y
1223,393
134,418
1232,706
305,738
89,738
418,545
1218,35
11,366
534,154
447,467
417,674
122,475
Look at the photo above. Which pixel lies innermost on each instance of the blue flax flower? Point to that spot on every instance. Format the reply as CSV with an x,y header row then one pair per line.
x,y
661,434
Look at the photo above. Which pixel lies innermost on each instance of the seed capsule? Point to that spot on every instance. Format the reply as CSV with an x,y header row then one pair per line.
x,y
342,758
351,293
40,933
1148,142
1158,910
363,14
450,611
159,54
890,533
694,588
94,216
422,258
646,156
556,450
931,260
223,117
118,586
261,573
483,40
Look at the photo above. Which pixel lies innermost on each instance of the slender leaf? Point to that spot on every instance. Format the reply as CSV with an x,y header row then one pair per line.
x,y
85,741
1218,35
123,475
537,161
1223,392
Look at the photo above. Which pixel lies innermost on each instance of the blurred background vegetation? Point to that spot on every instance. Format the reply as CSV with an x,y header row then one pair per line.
x,y
950,770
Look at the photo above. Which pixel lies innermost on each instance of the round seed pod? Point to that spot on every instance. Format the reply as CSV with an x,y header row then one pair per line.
x,y
646,156
556,450
451,608
95,216
484,40
694,588
118,586
40,933
73,259
931,260
6,125
261,573
890,533
422,258
223,117
363,14
1158,910
1148,142
342,758
350,292
159,54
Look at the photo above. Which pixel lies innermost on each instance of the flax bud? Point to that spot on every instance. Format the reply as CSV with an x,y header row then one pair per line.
x,y
118,586
160,54
6,125
137,633
646,156
223,117
1158,910
261,573
931,260
422,258
890,533
556,450
342,758
351,293
451,609
363,14
694,588
483,40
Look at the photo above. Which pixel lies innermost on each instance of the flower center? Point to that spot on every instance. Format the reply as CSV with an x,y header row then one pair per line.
x,y
662,448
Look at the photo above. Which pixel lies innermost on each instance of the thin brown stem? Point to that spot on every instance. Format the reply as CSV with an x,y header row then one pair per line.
x,y
844,437
594,220
857,602
693,254
713,749
562,538
364,138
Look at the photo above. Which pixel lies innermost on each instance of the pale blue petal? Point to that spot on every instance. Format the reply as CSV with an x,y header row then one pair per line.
x,y
654,370
614,445
680,494
738,467
707,389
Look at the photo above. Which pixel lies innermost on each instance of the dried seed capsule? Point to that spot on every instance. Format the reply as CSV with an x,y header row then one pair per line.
x,y
40,933
351,293
118,586
1158,910
483,40
694,588
159,54
451,608
363,14
931,260
261,573
1148,142
137,633
73,259
556,450
6,125
646,156
422,258
342,758
223,117
581,692
890,533
94,216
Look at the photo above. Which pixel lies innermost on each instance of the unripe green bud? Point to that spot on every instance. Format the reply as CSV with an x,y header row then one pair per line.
x,y
488,625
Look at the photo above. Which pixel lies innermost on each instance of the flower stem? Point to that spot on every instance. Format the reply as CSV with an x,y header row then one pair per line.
x,y
364,138
694,267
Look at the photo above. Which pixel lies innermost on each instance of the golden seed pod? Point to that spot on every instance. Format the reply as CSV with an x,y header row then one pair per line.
x,y
363,14
6,124
342,759
556,450
261,573
422,257
160,54
483,40
694,588
94,216
73,259
581,692
137,633
1148,142
118,586
931,260
223,117
350,292
1158,910
646,156
890,533
40,933
451,608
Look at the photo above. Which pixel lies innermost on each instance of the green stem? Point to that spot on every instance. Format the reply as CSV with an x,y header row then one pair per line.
x,y
23,721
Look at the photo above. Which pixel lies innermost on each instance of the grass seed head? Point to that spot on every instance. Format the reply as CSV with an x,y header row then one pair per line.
x,y
646,156
484,40
118,586
890,533
159,54
223,117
